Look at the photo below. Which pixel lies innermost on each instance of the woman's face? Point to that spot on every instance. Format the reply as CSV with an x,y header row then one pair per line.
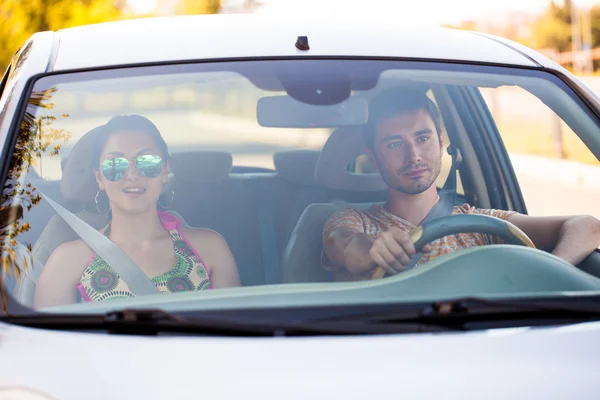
x,y
131,191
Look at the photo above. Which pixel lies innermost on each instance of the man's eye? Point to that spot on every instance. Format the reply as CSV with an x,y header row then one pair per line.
x,y
422,139
394,145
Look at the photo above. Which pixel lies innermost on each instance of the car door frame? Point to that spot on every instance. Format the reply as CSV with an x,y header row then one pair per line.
x,y
495,151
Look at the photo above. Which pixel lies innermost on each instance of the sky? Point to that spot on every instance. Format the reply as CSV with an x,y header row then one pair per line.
x,y
430,12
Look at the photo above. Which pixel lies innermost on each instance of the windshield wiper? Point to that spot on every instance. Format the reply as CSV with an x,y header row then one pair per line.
x,y
475,312
459,314
138,322
156,321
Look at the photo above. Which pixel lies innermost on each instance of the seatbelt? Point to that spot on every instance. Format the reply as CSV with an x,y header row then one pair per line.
x,y
112,254
445,205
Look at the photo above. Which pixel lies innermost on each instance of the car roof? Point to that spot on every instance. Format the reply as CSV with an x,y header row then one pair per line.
x,y
221,36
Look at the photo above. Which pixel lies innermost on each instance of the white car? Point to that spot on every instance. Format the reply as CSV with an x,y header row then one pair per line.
x,y
263,120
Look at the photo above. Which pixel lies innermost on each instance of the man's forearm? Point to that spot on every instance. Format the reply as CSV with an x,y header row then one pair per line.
x,y
356,254
578,237
349,250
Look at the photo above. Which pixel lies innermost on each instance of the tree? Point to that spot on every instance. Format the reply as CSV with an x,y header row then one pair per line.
x,y
251,5
22,18
37,137
468,25
190,7
553,29
595,21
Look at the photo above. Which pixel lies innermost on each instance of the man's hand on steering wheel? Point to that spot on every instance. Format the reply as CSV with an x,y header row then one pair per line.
x,y
394,250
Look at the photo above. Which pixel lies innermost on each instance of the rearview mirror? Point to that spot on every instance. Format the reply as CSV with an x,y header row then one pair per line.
x,y
285,112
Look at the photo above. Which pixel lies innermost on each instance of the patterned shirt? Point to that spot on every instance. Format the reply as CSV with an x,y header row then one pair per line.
x,y
100,282
377,219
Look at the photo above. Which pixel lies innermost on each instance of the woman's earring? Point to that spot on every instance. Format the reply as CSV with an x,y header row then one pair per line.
x,y
97,205
170,200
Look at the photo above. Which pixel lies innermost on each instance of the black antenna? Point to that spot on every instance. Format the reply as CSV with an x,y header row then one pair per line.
x,y
302,43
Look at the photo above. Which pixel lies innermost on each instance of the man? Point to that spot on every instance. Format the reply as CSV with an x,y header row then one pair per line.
x,y
404,142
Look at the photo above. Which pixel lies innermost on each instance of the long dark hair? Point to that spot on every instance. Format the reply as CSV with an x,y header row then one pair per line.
x,y
128,123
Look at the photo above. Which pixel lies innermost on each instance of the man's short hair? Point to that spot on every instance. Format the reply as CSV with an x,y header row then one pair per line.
x,y
395,101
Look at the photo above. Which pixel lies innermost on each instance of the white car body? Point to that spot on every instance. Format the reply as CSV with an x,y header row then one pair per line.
x,y
543,362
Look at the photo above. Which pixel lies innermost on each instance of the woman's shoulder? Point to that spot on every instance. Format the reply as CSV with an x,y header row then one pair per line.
x,y
74,251
215,252
202,236
209,245
66,264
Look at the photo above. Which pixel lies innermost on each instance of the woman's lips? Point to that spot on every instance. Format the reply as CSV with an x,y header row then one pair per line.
x,y
134,192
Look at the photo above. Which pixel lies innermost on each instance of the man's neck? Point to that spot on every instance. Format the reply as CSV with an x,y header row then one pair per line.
x,y
412,207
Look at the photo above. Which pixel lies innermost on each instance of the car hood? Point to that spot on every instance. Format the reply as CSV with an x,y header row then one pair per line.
x,y
558,362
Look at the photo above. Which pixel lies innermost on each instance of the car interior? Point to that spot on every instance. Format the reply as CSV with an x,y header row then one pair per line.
x,y
273,219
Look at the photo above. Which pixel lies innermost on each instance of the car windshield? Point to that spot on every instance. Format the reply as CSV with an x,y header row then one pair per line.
x,y
232,185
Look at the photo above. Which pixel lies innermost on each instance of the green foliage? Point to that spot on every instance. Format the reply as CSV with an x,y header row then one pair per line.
x,y
21,18
595,20
553,29
189,7
37,137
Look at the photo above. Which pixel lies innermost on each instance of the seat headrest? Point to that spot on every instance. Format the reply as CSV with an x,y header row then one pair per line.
x,y
78,182
297,166
343,147
201,166
63,161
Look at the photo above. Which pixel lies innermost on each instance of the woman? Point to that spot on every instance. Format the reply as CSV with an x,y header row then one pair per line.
x,y
131,165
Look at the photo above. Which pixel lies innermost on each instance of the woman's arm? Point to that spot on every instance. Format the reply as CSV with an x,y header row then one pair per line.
x,y
215,253
57,282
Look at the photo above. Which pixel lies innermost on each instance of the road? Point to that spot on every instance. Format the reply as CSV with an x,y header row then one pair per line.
x,y
556,189
544,197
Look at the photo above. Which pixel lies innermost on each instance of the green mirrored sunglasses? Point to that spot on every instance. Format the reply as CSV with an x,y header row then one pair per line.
x,y
149,165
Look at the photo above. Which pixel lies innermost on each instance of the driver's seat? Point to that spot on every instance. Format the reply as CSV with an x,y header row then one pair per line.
x,y
302,255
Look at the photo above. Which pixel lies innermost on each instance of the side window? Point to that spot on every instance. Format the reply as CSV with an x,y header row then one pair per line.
x,y
363,166
557,173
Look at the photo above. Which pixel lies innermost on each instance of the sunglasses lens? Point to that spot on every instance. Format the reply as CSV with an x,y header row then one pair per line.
x,y
113,169
149,165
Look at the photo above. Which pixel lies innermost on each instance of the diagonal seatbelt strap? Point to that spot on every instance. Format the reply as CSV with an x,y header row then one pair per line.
x,y
112,254
445,205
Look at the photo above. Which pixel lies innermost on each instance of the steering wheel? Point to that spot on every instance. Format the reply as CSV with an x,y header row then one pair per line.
x,y
463,224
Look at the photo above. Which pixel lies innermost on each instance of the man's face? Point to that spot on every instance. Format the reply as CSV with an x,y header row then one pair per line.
x,y
407,151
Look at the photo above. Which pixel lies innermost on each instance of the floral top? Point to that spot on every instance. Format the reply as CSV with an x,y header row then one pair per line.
x,y
100,282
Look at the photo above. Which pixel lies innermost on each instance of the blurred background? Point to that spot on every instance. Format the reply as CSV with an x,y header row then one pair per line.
x,y
566,30
548,158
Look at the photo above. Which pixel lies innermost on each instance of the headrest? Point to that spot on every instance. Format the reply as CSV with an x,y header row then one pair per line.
x,y
63,161
343,147
297,166
201,166
78,182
